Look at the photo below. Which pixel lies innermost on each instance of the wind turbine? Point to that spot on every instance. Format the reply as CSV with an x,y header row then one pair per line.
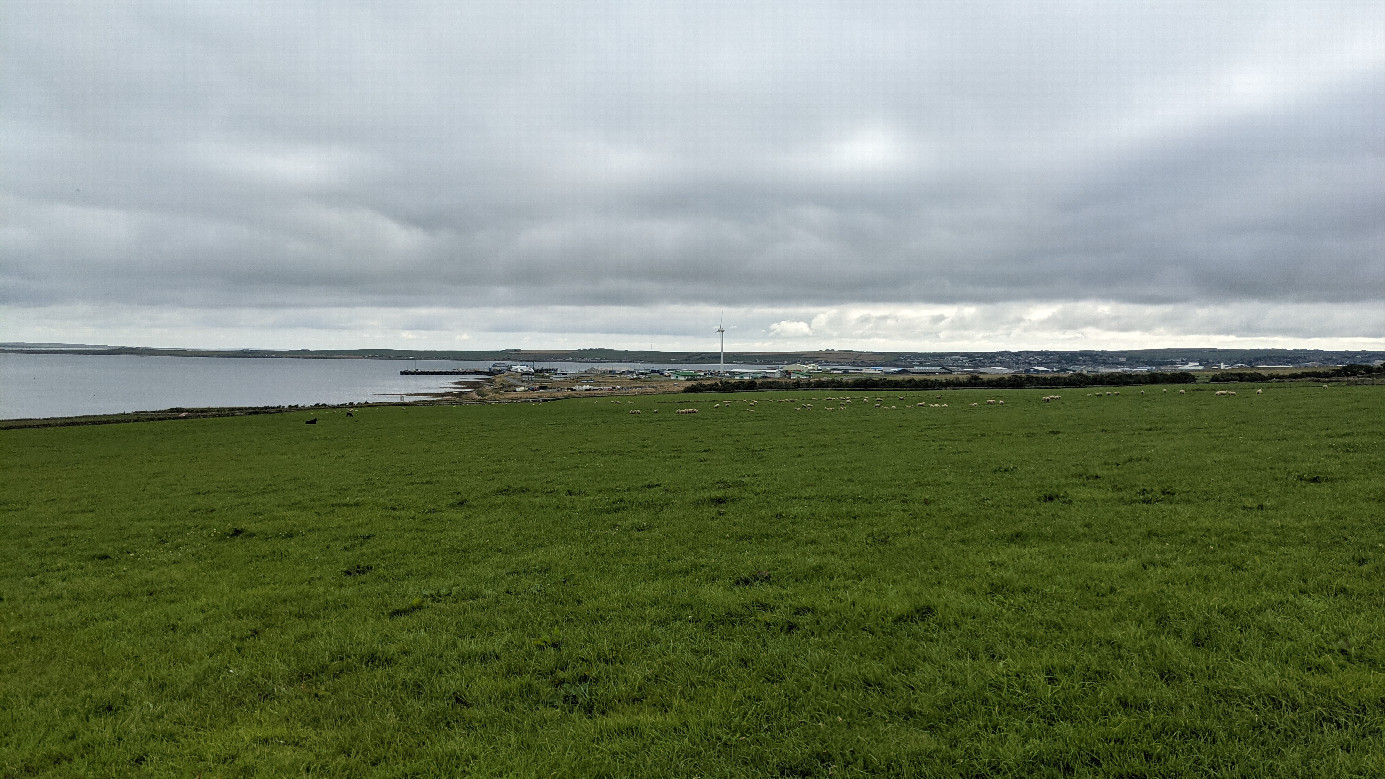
x,y
721,331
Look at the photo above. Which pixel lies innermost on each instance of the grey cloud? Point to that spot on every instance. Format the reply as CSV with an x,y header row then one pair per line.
x,y
632,154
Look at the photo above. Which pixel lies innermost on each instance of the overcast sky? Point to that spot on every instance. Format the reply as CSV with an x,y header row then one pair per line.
x,y
907,175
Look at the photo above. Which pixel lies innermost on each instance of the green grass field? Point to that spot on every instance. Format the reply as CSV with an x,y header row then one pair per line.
x,y
1124,585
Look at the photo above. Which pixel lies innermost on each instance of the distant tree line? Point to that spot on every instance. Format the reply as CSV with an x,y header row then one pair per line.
x,y
972,381
1353,371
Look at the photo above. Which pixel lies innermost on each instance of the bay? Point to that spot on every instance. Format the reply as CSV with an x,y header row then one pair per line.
x,y
37,386
40,386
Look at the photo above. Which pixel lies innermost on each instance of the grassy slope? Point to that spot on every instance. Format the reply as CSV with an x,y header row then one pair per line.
x,y
1112,585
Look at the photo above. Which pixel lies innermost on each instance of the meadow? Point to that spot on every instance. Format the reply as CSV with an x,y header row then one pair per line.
x,y
1124,584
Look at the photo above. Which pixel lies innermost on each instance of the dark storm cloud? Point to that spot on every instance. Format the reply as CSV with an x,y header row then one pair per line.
x,y
371,154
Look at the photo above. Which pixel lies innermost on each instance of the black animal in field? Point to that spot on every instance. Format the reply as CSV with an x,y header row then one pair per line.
x,y
312,421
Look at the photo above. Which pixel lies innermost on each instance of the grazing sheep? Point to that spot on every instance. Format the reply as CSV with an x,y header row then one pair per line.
x,y
687,411
1182,392
634,411
349,414
990,402
1259,392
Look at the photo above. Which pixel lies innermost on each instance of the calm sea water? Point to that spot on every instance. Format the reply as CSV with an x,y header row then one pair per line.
x,y
36,386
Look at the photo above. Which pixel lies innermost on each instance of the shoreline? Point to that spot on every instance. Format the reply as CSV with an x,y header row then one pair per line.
x,y
214,412
469,398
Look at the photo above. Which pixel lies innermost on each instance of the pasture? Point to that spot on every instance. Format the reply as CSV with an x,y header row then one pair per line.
x,y
1127,584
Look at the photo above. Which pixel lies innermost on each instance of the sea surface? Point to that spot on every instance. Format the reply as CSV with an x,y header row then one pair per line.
x,y
37,386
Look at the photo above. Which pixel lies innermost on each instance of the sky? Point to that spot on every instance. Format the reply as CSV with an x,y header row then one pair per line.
x,y
922,176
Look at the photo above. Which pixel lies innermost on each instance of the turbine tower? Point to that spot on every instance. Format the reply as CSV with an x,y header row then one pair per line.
x,y
721,331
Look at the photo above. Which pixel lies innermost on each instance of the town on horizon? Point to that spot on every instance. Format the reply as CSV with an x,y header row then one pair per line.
x,y
827,360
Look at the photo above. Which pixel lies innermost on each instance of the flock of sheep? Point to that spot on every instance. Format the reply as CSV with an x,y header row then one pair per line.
x,y
843,402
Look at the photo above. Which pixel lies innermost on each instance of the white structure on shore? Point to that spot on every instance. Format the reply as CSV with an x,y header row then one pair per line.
x,y
721,331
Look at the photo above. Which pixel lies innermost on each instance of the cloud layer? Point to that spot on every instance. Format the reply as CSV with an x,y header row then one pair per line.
x,y
1135,168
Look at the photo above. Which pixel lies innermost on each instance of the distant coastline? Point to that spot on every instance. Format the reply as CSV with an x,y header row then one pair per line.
x,y
1020,360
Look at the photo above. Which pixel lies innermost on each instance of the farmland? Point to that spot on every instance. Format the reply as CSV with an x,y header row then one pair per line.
x,y
1123,583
